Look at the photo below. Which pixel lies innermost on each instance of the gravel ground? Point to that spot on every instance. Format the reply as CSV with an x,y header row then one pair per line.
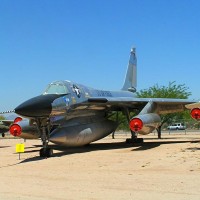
x,y
168,168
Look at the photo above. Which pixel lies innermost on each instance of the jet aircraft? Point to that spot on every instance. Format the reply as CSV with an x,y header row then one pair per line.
x,y
5,123
71,114
3,129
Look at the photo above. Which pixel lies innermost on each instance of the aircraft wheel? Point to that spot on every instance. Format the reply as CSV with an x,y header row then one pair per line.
x,y
42,152
134,140
49,152
129,141
46,152
140,140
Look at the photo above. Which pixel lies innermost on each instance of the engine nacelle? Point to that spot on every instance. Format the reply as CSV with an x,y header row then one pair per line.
x,y
195,113
145,123
23,129
79,134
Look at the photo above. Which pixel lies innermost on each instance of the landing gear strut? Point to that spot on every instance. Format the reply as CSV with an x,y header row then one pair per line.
x,y
44,129
134,138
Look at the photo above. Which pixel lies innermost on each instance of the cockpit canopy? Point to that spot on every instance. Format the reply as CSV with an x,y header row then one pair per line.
x,y
56,88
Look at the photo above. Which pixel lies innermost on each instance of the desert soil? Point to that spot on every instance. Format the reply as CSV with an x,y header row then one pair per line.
x,y
167,168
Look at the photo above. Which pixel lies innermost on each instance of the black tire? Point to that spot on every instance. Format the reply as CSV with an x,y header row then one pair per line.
x,y
136,140
129,141
140,140
49,152
46,152
42,152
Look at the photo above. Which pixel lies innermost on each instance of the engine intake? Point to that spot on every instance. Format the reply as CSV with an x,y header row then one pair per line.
x,y
195,113
145,123
15,130
23,129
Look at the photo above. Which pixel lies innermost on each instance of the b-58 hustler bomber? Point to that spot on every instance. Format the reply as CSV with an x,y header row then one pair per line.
x,y
71,114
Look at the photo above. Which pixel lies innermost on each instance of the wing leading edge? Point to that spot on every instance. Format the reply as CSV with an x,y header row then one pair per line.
x,y
163,105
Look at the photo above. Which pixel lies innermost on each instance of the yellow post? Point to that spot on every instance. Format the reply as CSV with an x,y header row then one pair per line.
x,y
19,149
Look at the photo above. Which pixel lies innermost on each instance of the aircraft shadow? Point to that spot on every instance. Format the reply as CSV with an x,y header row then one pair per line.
x,y
91,147
67,151
4,147
151,145
32,159
196,141
194,149
63,151
164,138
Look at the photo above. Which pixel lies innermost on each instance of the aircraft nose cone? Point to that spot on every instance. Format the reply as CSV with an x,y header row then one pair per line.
x,y
39,106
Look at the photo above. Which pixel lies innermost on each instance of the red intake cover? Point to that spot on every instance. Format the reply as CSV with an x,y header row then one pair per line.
x,y
15,130
136,124
195,113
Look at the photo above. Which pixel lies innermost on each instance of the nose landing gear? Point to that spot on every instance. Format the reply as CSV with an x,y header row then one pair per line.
x,y
44,129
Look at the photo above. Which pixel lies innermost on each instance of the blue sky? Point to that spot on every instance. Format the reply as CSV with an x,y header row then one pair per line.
x,y
88,41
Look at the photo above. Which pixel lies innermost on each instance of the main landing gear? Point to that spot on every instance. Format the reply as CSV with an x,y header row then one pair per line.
x,y
134,139
46,152
44,129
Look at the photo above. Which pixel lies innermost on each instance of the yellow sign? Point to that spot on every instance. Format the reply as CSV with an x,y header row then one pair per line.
x,y
19,148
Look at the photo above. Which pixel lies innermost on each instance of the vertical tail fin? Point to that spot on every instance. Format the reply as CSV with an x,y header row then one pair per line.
x,y
130,82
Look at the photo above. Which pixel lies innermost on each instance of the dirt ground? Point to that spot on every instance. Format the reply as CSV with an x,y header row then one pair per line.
x,y
168,168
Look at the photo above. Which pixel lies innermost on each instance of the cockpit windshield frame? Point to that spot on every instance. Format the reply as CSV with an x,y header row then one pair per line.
x,y
56,88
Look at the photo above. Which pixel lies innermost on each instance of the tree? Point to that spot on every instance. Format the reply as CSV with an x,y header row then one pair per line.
x,y
2,117
173,90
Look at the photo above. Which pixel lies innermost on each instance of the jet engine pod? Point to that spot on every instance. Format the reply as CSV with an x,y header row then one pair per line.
x,y
195,113
15,130
79,134
23,129
145,123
